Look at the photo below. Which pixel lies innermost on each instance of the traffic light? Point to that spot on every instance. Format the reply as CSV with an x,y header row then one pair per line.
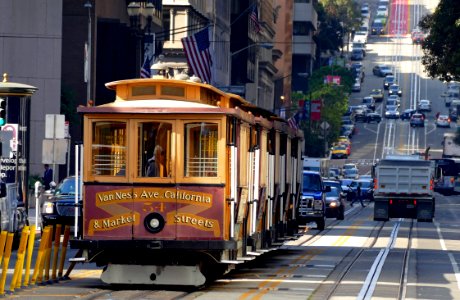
x,y
2,111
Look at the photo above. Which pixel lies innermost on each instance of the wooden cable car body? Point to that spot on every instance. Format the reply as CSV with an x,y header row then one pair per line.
x,y
222,190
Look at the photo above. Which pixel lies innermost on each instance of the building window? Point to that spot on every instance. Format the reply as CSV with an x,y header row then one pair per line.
x,y
300,28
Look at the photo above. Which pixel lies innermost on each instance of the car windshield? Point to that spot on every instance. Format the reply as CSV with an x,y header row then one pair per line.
x,y
335,184
364,184
311,182
66,187
351,171
346,182
391,107
333,193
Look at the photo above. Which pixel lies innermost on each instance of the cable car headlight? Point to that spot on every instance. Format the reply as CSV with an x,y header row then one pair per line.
x,y
154,222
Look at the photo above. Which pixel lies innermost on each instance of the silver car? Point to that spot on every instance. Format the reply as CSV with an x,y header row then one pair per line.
x,y
424,105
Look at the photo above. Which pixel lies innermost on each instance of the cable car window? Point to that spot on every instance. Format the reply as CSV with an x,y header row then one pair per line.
x,y
144,90
109,148
201,149
154,149
176,91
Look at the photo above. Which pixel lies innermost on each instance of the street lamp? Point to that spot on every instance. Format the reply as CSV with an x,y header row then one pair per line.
x,y
265,45
140,16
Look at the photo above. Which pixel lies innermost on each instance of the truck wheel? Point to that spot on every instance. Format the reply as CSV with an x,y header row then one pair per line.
x,y
320,224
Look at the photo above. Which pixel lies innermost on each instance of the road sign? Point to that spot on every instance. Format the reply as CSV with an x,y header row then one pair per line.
x,y
324,125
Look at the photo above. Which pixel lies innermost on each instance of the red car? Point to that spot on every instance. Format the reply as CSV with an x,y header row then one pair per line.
x,y
417,37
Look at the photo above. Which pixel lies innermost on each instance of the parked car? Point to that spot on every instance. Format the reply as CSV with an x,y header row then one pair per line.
x,y
424,105
373,117
407,114
58,207
335,201
356,86
443,121
417,120
377,94
382,70
394,90
388,80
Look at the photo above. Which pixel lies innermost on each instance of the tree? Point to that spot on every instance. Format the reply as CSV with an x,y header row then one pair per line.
x,y
335,103
345,12
441,46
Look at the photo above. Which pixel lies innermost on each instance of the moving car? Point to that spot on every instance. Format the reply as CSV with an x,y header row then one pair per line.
x,y
395,99
312,207
357,54
367,188
335,202
369,101
59,205
392,112
339,151
417,36
417,120
378,27
424,105
443,121
382,11
382,70
388,80
407,114
377,94
351,173
373,117
394,90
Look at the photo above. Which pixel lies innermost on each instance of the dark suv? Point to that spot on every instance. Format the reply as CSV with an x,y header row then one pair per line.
x,y
58,207
312,205
417,120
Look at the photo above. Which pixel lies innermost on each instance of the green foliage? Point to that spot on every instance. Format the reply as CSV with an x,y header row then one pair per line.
x,y
34,178
335,103
441,47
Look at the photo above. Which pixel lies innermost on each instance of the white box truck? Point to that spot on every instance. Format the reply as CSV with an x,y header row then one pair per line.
x,y
403,188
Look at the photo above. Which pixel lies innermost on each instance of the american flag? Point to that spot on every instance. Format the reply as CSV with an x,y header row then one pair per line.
x,y
292,122
145,69
196,48
254,19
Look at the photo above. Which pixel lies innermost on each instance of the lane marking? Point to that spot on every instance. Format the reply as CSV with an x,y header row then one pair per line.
x,y
453,262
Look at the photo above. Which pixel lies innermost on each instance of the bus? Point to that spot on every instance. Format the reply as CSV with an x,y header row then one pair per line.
x,y
183,181
446,174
